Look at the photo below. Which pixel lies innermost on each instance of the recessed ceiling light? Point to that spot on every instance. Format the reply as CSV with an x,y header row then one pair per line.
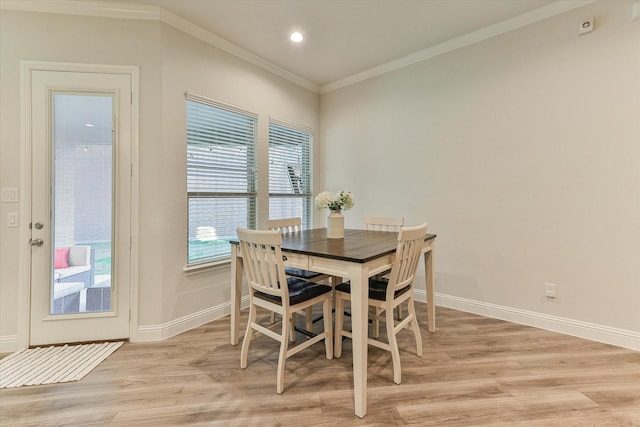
x,y
296,37
89,125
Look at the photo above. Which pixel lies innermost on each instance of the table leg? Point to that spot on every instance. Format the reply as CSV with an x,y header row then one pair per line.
x,y
236,293
359,323
431,289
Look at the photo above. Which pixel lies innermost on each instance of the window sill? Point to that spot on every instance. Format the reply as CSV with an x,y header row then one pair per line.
x,y
207,266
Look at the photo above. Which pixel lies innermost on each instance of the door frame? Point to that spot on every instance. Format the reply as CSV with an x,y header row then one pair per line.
x,y
26,143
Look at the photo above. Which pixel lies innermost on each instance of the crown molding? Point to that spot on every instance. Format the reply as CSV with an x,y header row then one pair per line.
x,y
208,37
86,8
144,12
136,11
460,42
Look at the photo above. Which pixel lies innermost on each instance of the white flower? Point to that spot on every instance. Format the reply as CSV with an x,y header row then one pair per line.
x,y
342,200
323,200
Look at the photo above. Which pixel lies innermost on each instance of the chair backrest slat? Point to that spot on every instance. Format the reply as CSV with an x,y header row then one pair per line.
x,y
262,258
383,223
285,225
407,258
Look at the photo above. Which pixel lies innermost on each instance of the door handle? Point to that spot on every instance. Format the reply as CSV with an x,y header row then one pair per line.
x,y
36,242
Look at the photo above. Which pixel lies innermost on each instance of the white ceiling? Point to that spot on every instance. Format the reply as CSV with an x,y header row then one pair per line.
x,y
342,37
346,41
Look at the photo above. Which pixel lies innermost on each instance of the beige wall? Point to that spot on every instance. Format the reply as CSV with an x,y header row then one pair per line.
x,y
522,152
170,63
60,38
194,66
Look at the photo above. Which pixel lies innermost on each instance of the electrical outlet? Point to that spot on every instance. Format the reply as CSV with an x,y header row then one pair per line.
x,y
550,290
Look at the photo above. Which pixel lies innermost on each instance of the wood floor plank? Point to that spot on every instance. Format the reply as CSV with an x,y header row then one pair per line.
x,y
475,371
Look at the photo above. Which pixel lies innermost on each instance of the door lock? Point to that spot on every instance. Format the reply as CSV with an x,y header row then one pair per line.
x,y
36,242
38,225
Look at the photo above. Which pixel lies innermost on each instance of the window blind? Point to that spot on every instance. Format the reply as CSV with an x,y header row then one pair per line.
x,y
221,177
290,173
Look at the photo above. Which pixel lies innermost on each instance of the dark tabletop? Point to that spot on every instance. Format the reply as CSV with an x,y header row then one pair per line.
x,y
357,246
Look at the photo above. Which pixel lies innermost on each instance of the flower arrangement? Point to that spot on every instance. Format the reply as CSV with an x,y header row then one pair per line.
x,y
342,200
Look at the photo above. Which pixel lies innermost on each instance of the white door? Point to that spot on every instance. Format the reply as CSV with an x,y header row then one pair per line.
x,y
80,207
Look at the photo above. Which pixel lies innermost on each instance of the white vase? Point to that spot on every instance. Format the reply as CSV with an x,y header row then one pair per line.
x,y
335,224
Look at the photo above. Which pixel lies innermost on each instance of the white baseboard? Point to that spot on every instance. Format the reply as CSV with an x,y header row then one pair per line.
x,y
591,331
8,343
149,333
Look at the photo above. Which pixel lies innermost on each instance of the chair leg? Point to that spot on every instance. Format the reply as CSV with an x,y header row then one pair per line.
x,y
376,322
414,325
273,317
399,308
339,309
309,318
248,335
393,343
328,328
292,333
284,344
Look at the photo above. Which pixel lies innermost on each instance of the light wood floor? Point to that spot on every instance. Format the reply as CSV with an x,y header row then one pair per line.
x,y
475,371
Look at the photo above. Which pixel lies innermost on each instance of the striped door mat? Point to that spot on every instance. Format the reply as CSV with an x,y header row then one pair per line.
x,y
55,364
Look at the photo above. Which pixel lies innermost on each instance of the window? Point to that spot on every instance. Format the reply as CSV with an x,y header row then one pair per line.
x,y
290,187
221,176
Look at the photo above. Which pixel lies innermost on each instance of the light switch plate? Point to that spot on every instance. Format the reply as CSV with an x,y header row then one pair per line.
x,y
12,219
9,195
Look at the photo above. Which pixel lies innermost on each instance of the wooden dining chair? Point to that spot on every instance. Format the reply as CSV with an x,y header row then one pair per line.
x,y
388,294
270,288
383,223
293,225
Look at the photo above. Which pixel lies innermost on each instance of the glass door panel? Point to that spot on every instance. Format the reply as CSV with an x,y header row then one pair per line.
x,y
82,190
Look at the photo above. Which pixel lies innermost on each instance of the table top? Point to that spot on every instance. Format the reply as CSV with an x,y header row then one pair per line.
x,y
357,245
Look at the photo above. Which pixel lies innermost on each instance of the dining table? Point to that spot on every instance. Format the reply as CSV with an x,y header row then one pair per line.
x,y
356,257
